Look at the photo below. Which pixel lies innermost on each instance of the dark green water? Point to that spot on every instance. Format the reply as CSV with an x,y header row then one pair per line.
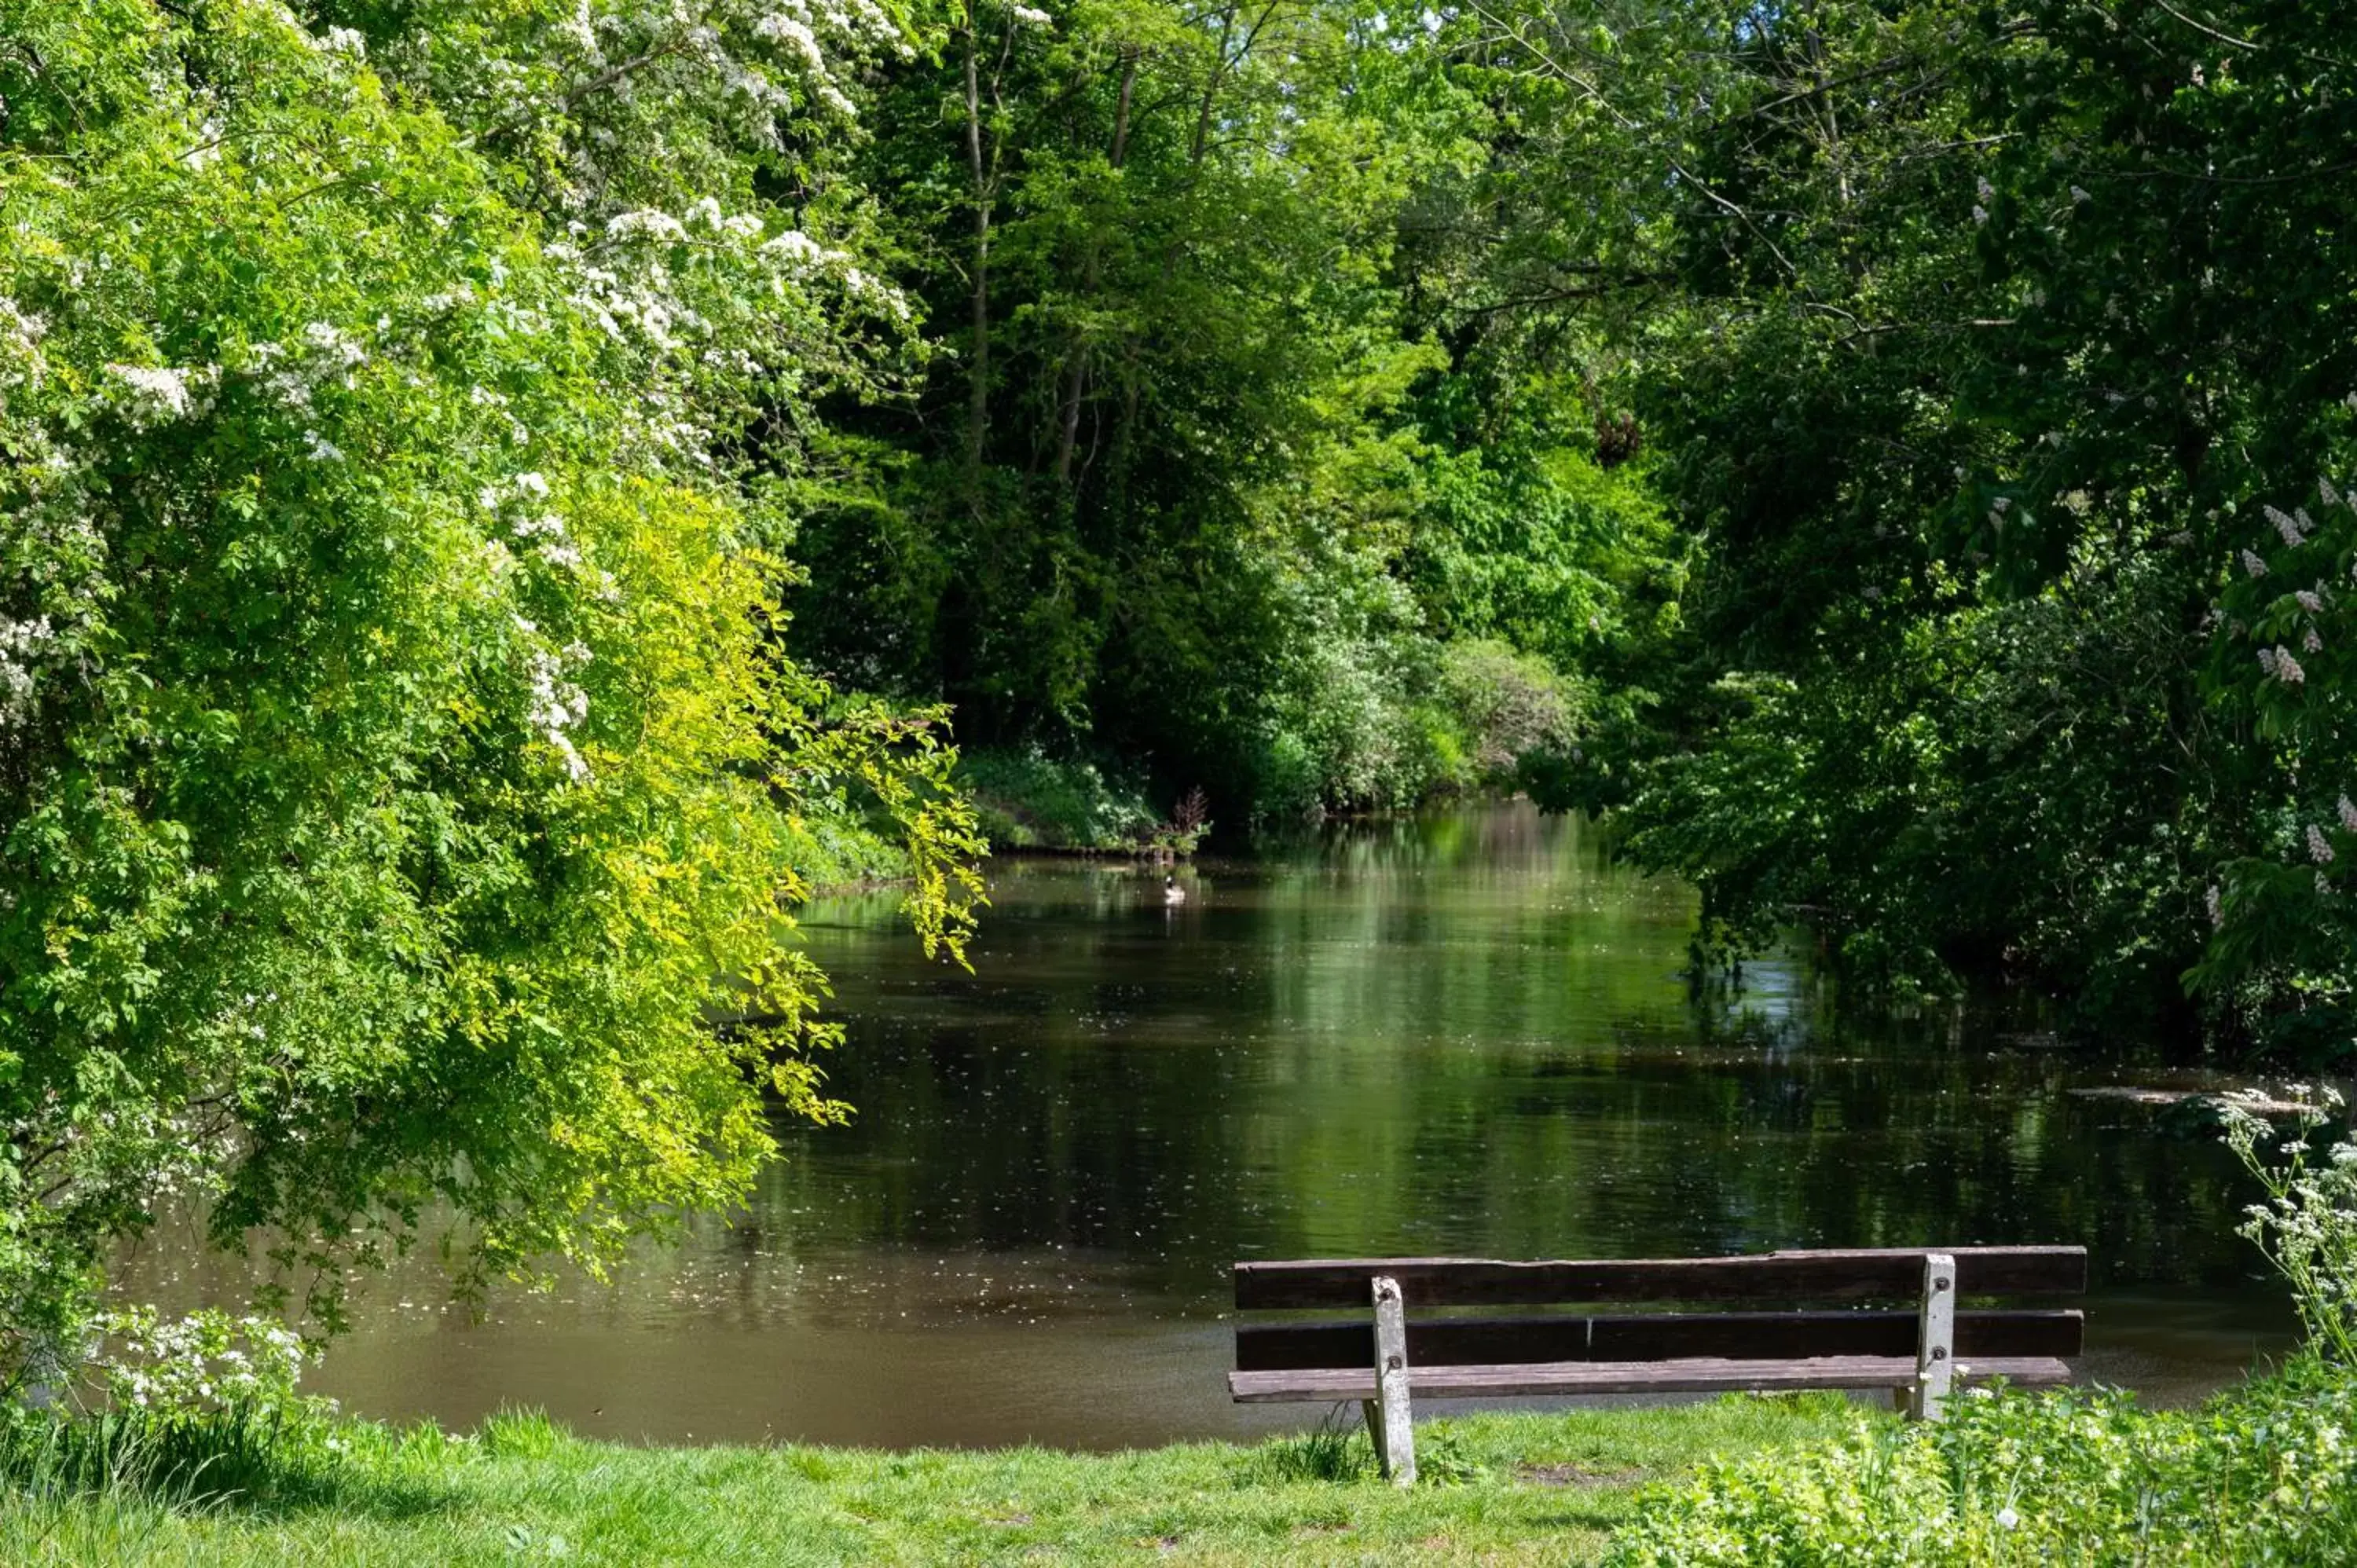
x,y
1463,1034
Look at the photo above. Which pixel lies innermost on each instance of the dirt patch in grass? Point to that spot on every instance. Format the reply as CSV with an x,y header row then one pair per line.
x,y
1577,1476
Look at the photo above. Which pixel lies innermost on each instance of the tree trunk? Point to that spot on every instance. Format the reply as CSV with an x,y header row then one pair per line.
x,y
977,418
1076,376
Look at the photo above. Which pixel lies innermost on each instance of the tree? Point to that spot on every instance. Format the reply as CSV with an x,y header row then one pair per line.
x,y
1994,333
398,767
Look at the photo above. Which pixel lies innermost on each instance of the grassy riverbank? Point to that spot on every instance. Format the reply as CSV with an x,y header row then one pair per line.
x,y
1500,1489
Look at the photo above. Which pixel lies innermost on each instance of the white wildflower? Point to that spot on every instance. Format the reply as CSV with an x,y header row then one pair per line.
x,y
2006,1518
2310,642
207,152
2217,906
2253,565
319,449
795,247
796,34
2319,849
2325,492
645,220
2288,670
2285,525
1031,16
582,29
159,394
20,346
348,41
2309,600
2348,810
1980,215
21,641
290,373
558,705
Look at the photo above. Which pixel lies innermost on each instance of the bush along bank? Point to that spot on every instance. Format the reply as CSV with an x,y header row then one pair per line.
x,y
2265,1473
1027,800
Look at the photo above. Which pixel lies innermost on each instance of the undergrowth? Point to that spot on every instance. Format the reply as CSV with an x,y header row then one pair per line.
x,y
2265,1473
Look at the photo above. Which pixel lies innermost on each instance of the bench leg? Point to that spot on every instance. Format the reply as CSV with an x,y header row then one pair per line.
x,y
1389,1415
1935,1339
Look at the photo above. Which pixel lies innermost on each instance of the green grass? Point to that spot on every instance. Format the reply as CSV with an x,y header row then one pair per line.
x,y
1500,1489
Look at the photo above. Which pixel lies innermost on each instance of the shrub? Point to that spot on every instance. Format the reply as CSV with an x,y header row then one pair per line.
x,y
1027,799
2262,1474
2265,1473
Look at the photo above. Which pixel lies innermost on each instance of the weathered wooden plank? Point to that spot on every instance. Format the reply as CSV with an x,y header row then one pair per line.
x,y
1844,1275
1697,1375
2053,1332
1654,1337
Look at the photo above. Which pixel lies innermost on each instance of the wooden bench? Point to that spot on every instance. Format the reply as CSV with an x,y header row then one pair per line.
x,y
1783,1336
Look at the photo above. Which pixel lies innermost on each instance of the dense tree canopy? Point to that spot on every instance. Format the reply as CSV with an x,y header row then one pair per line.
x,y
398,773
2006,376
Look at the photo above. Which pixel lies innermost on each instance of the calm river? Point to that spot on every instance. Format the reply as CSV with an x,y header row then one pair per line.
x,y
1463,1034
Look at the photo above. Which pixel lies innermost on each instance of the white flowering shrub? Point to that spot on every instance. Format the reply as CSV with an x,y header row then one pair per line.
x,y
202,1364
2307,1225
603,104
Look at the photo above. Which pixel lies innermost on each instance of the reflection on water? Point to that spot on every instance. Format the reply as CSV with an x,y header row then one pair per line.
x,y
1460,1034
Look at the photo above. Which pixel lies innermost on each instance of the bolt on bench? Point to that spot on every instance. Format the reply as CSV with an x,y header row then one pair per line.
x,y
1774,1342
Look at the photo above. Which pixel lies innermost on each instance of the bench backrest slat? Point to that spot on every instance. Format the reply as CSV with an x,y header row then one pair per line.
x,y
1858,1275
1660,1337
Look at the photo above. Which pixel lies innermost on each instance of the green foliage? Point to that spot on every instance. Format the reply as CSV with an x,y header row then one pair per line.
x,y
1026,800
1505,706
2261,1474
397,770
1977,349
1187,476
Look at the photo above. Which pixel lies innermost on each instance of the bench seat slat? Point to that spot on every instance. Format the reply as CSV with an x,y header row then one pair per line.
x,y
1695,1375
1653,1336
1848,1274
